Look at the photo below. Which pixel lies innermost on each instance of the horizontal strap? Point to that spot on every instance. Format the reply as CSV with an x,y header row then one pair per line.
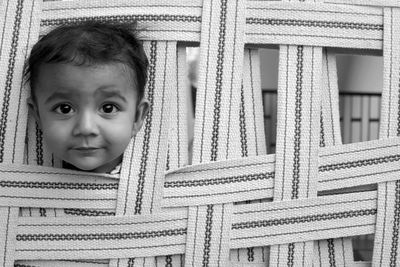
x,y
314,24
248,179
220,182
303,220
38,186
380,3
106,237
359,164
173,20
150,235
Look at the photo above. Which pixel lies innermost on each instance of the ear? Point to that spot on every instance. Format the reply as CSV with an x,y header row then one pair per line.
x,y
34,110
141,113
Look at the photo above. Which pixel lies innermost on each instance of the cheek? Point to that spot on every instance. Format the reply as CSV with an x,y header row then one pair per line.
x,y
55,135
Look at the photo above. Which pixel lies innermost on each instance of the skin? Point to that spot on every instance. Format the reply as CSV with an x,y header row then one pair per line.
x,y
88,114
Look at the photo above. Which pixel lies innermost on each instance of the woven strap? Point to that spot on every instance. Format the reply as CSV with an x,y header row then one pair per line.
x,y
221,61
386,244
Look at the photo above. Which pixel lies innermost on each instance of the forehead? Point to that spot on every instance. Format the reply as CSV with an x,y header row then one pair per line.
x,y
83,79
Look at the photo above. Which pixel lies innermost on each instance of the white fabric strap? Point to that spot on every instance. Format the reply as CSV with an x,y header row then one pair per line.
x,y
298,124
313,24
386,243
142,175
332,251
161,20
256,224
19,28
252,133
221,68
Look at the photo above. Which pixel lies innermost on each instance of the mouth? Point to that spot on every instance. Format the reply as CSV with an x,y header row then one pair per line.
x,y
86,149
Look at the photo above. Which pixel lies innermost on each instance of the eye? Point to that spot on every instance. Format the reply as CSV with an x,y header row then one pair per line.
x,y
109,108
64,109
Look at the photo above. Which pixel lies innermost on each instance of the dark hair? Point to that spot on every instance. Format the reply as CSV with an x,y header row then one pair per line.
x,y
90,43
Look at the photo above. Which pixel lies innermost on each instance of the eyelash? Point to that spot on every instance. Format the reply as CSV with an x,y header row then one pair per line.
x,y
57,108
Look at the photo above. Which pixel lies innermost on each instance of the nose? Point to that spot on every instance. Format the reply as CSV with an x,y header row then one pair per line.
x,y
86,124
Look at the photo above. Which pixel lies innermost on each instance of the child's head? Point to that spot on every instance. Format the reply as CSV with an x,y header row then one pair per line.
x,y
87,83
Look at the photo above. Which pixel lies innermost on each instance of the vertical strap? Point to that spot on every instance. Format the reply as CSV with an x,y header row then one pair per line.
x,y
19,24
142,175
252,134
216,128
296,173
220,80
208,235
386,243
331,252
8,225
177,156
178,133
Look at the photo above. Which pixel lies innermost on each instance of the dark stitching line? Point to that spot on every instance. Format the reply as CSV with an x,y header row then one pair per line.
x,y
390,73
384,224
218,81
355,176
207,235
223,180
331,250
303,219
290,255
319,252
149,117
299,232
119,18
396,222
102,224
306,206
343,250
321,131
232,74
359,163
220,193
177,77
359,150
99,175
21,84
50,10
310,125
4,29
221,230
88,212
94,249
195,234
6,241
313,35
298,118
55,185
242,123
59,198
252,96
286,123
223,168
330,97
9,77
101,235
313,23
161,126
206,81
316,11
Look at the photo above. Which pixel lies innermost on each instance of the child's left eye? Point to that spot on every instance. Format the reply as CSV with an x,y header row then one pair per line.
x,y
109,108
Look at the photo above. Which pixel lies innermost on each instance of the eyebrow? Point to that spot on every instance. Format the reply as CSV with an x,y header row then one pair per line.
x,y
58,95
107,92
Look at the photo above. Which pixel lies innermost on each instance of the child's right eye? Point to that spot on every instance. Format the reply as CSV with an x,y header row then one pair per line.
x,y
63,109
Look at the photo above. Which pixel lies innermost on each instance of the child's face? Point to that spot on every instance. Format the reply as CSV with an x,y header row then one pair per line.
x,y
88,114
